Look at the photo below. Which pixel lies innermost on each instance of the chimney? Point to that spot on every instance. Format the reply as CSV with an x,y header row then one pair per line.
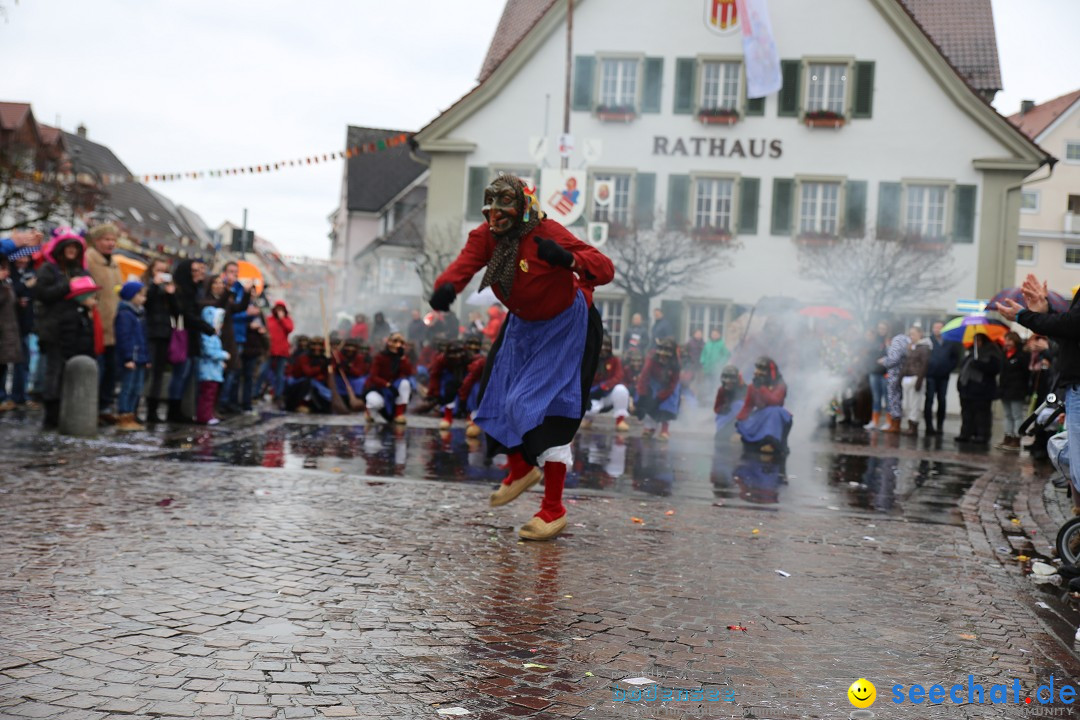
x,y
1026,106
81,130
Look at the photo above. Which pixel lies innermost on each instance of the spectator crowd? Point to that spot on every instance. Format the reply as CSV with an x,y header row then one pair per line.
x,y
184,331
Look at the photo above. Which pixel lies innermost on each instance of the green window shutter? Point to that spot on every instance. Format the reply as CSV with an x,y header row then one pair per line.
x,y
864,90
964,214
685,72
584,72
855,208
748,205
478,180
783,193
755,107
888,210
678,201
654,75
644,200
788,100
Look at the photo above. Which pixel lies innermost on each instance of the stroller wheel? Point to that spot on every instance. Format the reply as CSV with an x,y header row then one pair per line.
x,y
1068,541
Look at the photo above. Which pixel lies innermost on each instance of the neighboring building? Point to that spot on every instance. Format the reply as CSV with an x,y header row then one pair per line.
x,y
34,186
1050,207
913,145
378,190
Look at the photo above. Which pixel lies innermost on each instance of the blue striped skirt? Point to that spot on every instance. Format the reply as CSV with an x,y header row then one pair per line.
x,y
536,374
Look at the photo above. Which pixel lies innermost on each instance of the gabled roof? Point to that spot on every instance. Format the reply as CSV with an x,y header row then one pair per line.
x,y
149,217
13,114
374,179
1035,121
962,29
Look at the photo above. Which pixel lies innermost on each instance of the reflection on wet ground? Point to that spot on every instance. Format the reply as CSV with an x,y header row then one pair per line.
x,y
689,467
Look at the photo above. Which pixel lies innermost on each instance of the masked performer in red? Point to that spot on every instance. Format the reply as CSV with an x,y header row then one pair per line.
x,y
536,382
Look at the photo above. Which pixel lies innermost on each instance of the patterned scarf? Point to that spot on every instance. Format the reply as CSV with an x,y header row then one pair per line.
x,y
502,267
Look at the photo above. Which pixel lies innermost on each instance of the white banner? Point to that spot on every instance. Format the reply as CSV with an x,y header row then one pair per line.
x,y
562,195
762,59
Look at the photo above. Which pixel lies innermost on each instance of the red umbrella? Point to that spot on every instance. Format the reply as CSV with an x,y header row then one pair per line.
x,y
825,311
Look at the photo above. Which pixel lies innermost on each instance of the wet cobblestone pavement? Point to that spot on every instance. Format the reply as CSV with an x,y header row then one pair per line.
x,y
302,567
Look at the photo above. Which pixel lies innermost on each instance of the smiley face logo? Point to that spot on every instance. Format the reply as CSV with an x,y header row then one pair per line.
x,y
862,693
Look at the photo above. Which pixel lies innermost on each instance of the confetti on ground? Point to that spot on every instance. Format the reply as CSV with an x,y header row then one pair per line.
x,y
164,503
534,665
1016,521
453,711
670,512
637,520
589,674
639,681
1022,558
755,531
781,573
736,627
967,636
867,538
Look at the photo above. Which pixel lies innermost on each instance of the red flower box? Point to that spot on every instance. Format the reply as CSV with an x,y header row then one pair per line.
x,y
718,117
615,114
824,119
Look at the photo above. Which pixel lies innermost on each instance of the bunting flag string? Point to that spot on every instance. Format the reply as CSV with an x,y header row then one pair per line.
x,y
114,178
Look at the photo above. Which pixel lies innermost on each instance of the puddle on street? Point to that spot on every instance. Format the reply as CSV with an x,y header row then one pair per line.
x,y
689,467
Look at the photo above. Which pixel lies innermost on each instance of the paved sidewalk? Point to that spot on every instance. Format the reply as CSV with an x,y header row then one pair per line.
x,y
138,587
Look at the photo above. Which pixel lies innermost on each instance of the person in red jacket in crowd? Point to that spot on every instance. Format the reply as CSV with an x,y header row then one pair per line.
x,y
535,388
763,422
279,325
658,388
388,387
469,395
608,391
446,375
351,364
359,329
496,317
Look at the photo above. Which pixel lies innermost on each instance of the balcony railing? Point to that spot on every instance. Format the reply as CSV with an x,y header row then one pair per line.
x,y
1072,222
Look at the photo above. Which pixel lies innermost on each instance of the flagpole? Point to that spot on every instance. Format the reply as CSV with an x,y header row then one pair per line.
x,y
569,65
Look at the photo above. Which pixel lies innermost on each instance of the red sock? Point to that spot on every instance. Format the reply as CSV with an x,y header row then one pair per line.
x,y
518,467
620,419
399,410
448,415
663,427
551,507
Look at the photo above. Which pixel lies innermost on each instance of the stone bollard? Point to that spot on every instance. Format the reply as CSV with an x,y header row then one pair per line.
x,y
79,397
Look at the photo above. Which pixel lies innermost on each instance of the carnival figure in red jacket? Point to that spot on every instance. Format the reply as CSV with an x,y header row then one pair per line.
x,y
658,388
388,385
469,395
608,390
763,422
536,383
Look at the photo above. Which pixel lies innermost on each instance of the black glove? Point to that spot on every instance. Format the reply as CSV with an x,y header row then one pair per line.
x,y
553,253
442,297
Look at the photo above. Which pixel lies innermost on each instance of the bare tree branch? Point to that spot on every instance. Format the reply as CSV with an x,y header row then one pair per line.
x,y
871,276
440,248
651,261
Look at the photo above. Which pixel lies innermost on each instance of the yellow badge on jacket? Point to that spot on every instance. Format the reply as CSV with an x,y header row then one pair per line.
x,y
524,265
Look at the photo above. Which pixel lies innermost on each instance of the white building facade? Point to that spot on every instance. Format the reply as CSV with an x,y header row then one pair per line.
x,y
1050,203
873,130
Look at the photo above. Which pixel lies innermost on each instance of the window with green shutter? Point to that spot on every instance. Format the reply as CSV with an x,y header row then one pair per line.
x,y
964,214
651,95
748,205
863,107
685,73
644,200
479,177
855,208
782,198
584,82
888,211
678,206
755,107
788,100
